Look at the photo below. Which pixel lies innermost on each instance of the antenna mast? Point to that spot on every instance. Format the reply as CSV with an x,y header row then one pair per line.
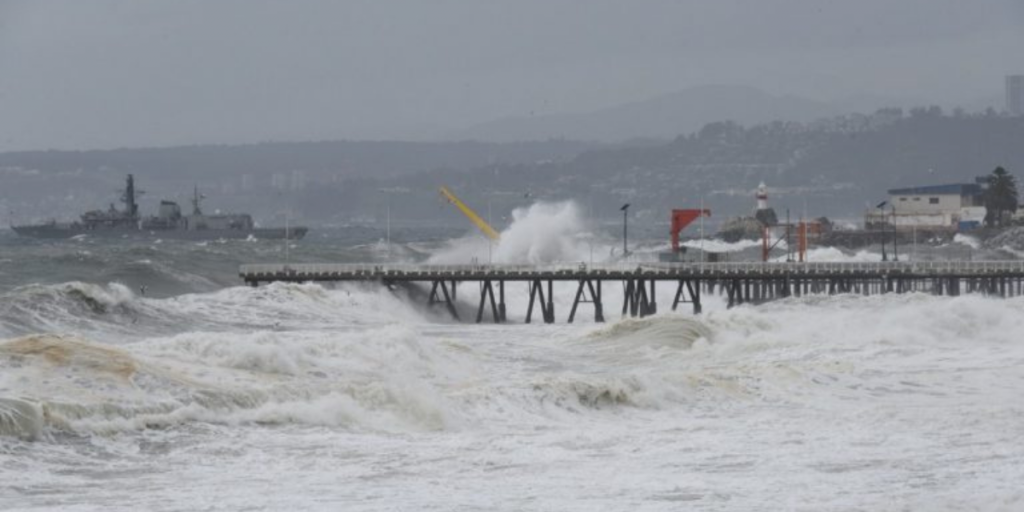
x,y
196,198
131,207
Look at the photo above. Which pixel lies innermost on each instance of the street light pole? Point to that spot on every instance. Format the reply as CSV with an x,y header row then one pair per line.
x,y
490,222
702,253
388,192
895,235
625,232
881,219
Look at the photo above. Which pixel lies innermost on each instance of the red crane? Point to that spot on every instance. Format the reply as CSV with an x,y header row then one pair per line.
x,y
683,218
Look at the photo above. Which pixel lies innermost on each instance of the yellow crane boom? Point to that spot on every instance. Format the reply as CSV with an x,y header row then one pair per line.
x,y
470,214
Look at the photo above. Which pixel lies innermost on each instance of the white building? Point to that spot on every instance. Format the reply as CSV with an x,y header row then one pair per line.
x,y
955,207
762,197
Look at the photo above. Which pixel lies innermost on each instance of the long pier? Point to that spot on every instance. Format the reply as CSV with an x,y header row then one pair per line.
x,y
740,283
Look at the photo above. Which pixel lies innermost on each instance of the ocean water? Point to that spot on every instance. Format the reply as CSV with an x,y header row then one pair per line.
x,y
143,376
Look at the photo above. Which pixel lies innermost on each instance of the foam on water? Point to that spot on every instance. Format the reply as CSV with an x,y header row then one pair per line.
x,y
309,397
376,380
716,245
831,401
967,240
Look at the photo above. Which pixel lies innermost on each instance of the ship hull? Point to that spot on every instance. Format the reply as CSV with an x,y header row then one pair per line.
x,y
56,232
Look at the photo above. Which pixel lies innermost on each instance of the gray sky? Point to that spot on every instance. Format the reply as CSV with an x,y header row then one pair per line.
x,y
106,73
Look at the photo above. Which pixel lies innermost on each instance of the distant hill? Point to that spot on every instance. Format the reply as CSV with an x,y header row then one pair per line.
x,y
37,185
339,158
662,117
835,167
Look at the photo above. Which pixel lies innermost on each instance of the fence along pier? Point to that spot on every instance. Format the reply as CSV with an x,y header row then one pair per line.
x,y
740,283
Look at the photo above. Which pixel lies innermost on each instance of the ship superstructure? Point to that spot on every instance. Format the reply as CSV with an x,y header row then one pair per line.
x,y
167,223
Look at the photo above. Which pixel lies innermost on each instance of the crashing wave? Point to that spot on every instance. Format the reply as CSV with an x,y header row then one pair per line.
x,y
63,383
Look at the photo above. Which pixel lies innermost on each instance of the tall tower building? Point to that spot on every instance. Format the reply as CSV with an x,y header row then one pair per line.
x,y
762,197
1015,95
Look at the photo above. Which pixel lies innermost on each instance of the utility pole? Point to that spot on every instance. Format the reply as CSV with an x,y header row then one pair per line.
x,y
881,219
625,231
789,246
702,254
895,235
490,221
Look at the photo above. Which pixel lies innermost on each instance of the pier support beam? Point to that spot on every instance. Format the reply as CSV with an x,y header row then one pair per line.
x,y
688,288
448,298
487,292
587,285
547,308
636,299
734,290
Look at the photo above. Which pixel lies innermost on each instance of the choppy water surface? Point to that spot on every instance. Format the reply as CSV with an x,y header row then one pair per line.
x,y
203,394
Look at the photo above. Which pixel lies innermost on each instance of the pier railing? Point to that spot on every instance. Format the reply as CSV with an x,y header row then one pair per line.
x,y
739,282
581,270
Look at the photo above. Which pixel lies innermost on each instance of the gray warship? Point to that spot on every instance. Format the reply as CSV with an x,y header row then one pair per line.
x,y
169,222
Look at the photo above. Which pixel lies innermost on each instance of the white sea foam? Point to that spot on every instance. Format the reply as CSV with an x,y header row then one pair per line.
x,y
307,397
716,245
541,233
967,240
835,255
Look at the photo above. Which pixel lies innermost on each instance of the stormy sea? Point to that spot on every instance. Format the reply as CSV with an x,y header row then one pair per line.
x,y
143,375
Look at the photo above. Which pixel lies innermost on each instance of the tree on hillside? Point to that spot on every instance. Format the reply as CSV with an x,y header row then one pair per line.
x,y
1000,197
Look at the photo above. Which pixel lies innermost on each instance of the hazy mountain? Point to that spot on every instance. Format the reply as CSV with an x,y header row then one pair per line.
x,y
830,167
834,167
662,117
43,184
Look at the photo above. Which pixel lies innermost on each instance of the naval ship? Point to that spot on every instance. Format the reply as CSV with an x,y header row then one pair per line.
x,y
167,223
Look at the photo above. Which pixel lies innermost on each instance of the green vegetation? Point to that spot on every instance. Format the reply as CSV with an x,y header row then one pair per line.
x,y
1000,197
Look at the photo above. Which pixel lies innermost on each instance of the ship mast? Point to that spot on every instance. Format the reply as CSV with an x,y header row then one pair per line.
x,y
131,207
195,201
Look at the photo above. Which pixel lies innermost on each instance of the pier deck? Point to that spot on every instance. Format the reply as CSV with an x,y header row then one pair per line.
x,y
739,282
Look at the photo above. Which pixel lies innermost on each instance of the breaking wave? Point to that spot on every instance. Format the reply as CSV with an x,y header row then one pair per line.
x,y
366,359
541,233
116,310
82,387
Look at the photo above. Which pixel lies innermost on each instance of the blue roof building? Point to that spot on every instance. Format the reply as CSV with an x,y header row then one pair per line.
x,y
949,207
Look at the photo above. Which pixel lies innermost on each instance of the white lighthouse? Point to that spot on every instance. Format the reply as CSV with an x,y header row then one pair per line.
x,y
762,197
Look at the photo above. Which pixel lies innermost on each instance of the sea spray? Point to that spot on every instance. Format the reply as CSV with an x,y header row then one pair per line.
x,y
544,233
539,234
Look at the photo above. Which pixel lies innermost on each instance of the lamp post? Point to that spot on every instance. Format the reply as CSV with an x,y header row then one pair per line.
x,y
895,234
387,219
881,219
625,232
387,214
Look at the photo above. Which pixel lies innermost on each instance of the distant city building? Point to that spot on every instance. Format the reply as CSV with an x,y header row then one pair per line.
x,y
279,181
298,180
954,207
1015,95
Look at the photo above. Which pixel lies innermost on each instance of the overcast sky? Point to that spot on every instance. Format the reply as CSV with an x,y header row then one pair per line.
x,y
104,73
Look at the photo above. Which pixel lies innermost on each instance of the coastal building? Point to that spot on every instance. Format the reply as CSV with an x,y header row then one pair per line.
x,y
763,213
953,207
1015,95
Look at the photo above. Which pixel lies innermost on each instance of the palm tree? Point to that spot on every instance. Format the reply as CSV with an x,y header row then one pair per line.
x,y
1000,196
